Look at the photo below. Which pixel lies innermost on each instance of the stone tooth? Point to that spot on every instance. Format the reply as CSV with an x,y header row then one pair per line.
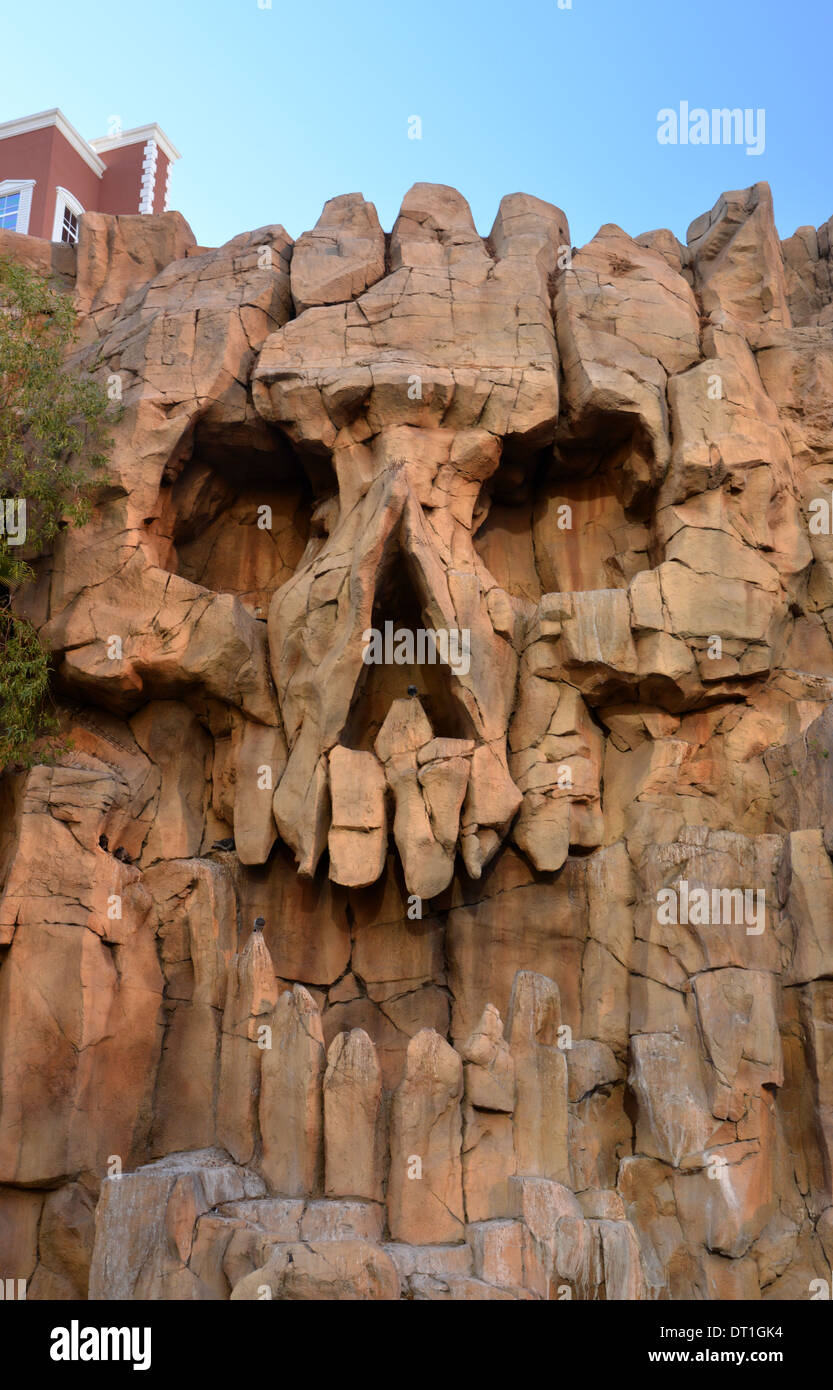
x,y
353,1118
290,1108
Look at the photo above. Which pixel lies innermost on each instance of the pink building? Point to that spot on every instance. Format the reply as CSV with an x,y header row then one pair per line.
x,y
50,175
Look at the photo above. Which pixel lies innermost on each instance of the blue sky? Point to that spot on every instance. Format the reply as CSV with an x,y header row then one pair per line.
x,y
274,110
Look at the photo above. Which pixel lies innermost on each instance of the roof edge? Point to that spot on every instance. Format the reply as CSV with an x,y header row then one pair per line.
x,y
133,137
55,117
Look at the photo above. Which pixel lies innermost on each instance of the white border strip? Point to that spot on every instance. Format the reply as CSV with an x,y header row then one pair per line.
x,y
133,137
151,155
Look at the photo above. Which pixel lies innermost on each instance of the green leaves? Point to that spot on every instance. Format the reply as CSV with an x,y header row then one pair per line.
x,y
53,445
24,685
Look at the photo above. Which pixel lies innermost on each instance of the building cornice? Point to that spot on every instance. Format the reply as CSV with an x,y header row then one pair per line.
x,y
56,118
140,135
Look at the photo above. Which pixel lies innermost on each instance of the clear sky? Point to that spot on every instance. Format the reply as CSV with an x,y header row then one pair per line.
x,y
274,110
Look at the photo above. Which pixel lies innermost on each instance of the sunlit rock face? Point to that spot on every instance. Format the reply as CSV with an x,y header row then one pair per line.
x,y
436,900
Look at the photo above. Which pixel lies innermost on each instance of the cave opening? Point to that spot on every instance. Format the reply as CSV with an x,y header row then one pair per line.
x,y
236,513
580,519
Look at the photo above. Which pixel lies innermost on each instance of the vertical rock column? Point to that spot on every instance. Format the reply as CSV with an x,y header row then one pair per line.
x,y
541,1078
358,837
488,1141
425,1187
817,1016
251,996
291,1118
427,863
352,1118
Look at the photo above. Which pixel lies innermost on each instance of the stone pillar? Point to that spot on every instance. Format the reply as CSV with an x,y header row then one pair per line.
x,y
358,838
251,996
541,1078
425,1188
489,1100
352,1118
256,746
291,1118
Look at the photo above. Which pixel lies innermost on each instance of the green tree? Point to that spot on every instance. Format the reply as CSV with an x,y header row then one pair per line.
x,y
53,445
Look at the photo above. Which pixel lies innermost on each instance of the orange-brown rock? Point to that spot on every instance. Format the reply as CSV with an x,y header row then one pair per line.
x,y
291,1109
251,996
540,1115
450,642
353,1137
425,1192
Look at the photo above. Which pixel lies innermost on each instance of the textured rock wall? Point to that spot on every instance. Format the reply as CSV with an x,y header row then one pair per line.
x,y
605,475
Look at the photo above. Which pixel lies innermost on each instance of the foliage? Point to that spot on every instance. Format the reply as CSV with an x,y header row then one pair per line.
x,y
53,445
24,688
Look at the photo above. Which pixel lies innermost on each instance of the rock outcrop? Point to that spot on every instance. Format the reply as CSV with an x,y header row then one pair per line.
x,y
457,610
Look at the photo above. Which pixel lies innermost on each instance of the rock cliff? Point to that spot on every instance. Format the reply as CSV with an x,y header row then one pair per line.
x,y
436,900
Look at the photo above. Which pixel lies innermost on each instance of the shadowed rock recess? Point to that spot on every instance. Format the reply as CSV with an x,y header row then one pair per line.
x,y
541,1005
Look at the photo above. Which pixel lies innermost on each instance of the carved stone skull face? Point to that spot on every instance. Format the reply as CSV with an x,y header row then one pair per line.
x,y
434,390
416,389
588,467
487,429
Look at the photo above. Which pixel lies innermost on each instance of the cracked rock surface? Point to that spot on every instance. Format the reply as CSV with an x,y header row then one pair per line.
x,y
436,900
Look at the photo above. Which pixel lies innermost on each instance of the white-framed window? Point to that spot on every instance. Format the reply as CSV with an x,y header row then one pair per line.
x,y
15,204
68,212
9,209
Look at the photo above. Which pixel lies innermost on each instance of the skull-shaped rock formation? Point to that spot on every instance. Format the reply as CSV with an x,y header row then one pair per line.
x,y
458,610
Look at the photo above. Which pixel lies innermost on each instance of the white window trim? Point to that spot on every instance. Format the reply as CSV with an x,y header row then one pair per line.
x,y
25,187
64,199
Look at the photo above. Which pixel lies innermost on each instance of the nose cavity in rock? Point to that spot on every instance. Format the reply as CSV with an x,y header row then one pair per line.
x,y
395,602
